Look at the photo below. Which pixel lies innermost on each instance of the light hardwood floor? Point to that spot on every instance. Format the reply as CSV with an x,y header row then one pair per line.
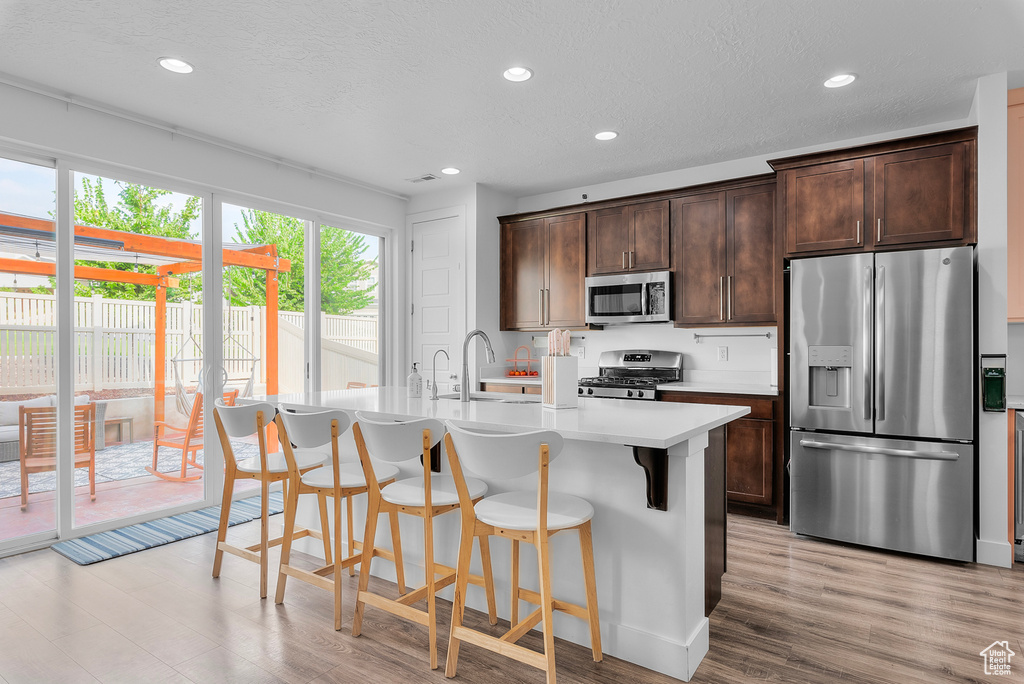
x,y
793,610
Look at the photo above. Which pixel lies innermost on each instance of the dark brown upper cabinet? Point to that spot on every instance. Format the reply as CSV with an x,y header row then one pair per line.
x,y
825,207
543,266
632,237
726,257
910,192
920,195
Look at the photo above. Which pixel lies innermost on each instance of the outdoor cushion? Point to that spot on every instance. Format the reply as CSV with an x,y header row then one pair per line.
x,y
8,433
9,409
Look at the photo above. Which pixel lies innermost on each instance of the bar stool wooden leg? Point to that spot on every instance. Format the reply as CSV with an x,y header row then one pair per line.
x,y
372,512
396,546
459,600
339,557
290,507
514,618
544,566
587,550
485,561
264,535
428,571
351,533
225,516
325,528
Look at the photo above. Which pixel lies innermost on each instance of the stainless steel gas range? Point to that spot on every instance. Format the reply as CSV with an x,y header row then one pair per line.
x,y
632,374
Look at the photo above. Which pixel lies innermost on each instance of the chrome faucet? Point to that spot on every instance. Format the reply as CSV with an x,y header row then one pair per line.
x,y
433,373
464,389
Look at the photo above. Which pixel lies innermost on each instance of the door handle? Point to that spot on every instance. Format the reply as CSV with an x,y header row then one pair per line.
x,y
631,259
886,451
623,261
728,289
721,298
858,233
1018,475
540,305
880,346
866,342
879,230
547,307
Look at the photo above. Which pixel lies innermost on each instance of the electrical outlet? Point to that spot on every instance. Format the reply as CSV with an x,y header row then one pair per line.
x,y
581,352
723,353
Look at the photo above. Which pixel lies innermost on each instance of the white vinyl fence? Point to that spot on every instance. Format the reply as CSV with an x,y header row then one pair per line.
x,y
115,342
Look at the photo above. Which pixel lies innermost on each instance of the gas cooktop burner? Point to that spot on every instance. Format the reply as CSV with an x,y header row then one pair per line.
x,y
632,374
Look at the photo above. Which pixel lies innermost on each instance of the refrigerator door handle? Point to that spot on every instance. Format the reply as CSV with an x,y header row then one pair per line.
x,y
880,350
867,342
887,451
1019,477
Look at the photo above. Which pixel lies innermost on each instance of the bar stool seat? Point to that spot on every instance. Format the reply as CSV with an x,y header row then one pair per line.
x,y
410,491
276,463
349,475
518,511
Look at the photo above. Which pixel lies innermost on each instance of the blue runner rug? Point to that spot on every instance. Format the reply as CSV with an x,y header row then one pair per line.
x,y
105,545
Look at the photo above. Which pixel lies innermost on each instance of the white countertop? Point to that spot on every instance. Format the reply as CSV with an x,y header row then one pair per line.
x,y
505,380
1015,401
720,388
653,424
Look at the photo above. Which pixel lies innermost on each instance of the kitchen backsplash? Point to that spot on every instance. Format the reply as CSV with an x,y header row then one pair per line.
x,y
749,358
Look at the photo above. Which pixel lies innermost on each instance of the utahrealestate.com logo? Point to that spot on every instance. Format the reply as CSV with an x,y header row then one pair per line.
x,y
997,658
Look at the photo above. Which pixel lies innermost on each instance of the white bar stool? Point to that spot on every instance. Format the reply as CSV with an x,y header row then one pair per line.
x,y
338,480
522,516
239,422
393,439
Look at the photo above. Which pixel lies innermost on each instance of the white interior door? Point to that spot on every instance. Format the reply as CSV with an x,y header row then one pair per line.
x,y
438,292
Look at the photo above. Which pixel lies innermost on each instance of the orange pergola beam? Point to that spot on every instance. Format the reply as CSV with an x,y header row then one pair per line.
x,y
161,246
45,268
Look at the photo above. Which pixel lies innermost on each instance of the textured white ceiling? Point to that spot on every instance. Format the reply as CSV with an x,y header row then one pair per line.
x,y
384,91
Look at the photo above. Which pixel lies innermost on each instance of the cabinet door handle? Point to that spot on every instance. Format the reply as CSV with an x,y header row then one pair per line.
x,y
879,230
631,259
547,307
729,288
858,233
721,298
540,305
623,261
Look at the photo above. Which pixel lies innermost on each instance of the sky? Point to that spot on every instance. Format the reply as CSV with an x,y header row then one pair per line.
x,y
29,190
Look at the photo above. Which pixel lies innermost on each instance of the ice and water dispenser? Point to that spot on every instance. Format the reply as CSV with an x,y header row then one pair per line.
x,y
830,369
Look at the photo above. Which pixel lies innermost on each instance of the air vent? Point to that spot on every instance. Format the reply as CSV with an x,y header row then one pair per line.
x,y
422,179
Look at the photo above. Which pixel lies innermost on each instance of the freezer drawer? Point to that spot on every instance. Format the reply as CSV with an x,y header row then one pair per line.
x,y
916,497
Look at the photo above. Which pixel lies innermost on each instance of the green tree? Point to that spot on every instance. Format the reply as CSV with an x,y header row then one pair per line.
x,y
342,266
138,210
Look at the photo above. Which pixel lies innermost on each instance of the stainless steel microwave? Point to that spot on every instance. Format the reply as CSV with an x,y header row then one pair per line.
x,y
629,298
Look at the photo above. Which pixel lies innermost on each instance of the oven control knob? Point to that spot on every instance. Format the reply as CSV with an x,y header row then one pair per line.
x,y
590,390
581,390
629,393
640,394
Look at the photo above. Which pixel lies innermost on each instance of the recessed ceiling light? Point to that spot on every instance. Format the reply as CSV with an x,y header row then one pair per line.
x,y
450,171
606,135
840,80
517,74
178,66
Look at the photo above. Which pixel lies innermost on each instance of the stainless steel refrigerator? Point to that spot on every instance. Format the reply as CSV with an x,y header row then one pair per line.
x,y
882,388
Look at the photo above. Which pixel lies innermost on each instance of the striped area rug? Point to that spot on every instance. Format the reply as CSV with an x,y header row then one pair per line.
x,y
105,545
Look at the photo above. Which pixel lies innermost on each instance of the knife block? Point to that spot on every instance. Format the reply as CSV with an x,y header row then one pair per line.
x,y
559,382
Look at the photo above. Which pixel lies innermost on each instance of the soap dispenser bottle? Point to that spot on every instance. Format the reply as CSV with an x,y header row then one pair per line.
x,y
415,384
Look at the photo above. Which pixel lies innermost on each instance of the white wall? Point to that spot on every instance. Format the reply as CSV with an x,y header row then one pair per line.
x,y
990,111
1015,359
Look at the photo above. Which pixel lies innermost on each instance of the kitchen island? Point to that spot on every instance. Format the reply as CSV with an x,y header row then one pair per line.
x,y
640,464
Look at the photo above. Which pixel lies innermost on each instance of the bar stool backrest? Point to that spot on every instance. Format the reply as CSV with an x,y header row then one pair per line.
x,y
240,420
502,455
312,430
394,438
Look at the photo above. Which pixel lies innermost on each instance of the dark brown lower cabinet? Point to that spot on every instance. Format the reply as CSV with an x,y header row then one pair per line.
x,y
749,445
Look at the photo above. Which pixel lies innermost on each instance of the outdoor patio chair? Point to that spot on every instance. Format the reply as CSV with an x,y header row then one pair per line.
x,y
37,430
189,440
